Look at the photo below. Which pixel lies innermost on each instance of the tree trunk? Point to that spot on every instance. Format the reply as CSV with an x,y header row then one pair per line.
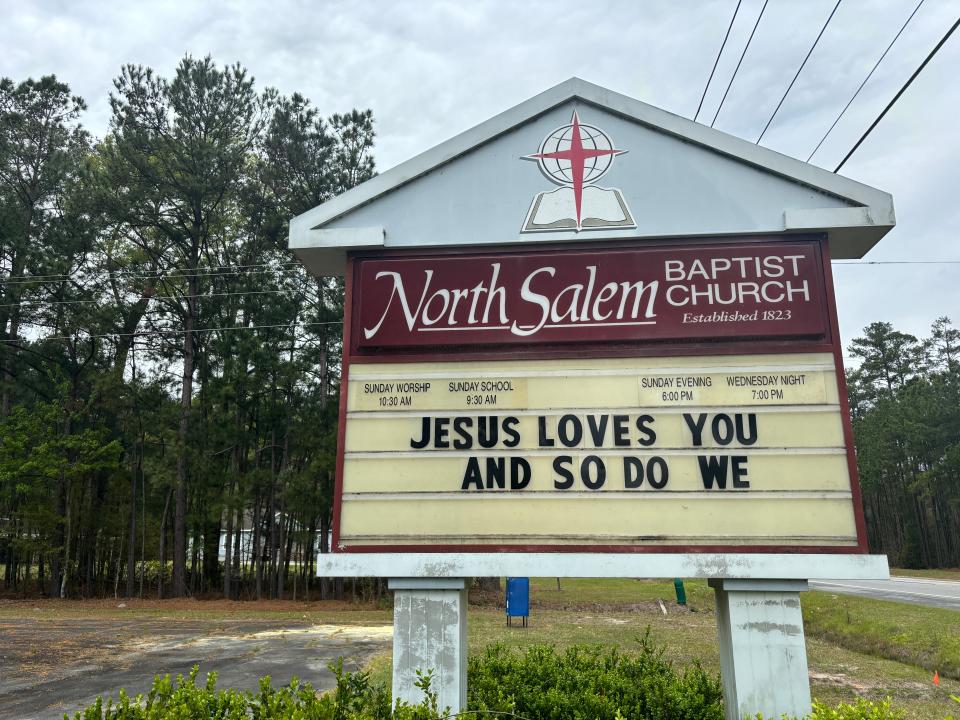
x,y
186,396
116,577
211,554
271,534
228,543
163,546
7,564
57,559
194,560
309,548
257,557
68,534
132,546
143,526
287,550
325,548
237,547
11,352
11,298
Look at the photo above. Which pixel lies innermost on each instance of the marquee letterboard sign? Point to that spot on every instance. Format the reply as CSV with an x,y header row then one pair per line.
x,y
671,396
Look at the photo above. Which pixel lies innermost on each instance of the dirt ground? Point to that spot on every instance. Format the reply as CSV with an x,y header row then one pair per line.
x,y
56,658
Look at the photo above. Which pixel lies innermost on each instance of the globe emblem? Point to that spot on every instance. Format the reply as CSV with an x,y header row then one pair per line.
x,y
574,157
559,142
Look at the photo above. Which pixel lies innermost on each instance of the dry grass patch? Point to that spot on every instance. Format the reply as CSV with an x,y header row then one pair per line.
x,y
190,609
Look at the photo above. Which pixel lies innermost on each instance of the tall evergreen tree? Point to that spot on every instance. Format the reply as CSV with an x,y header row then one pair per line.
x,y
905,397
42,147
177,159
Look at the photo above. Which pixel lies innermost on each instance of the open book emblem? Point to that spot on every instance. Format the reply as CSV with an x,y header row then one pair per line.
x,y
574,157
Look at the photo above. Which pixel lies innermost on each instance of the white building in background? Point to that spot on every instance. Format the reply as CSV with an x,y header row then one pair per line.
x,y
246,541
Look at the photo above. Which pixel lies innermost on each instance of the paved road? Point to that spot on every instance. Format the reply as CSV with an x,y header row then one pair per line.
x,y
919,591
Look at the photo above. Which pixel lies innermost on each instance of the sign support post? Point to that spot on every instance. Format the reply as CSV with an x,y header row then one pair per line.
x,y
763,652
430,635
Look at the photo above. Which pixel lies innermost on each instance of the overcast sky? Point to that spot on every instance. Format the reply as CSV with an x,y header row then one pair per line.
x,y
430,69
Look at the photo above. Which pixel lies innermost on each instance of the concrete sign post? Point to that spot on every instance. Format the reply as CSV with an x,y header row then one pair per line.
x,y
589,338
763,656
430,633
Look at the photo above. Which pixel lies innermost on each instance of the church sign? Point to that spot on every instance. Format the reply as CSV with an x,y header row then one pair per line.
x,y
590,338
676,393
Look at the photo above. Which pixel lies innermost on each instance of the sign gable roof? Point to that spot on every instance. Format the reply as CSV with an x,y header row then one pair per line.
x,y
678,178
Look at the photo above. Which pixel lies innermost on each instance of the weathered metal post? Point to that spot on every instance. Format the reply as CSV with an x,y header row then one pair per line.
x,y
430,635
763,654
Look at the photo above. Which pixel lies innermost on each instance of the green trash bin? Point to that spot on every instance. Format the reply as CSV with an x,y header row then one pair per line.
x,y
681,593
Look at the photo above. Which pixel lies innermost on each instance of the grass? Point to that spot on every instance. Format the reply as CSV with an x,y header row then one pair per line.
x,y
585,591
928,637
381,669
925,636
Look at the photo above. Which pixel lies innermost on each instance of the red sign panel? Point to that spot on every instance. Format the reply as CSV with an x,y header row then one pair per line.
x,y
750,290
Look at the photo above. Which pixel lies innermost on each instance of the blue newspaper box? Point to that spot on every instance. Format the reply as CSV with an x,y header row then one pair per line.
x,y
518,599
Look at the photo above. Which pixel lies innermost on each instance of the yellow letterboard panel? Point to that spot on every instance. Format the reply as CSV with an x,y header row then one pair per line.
x,y
689,451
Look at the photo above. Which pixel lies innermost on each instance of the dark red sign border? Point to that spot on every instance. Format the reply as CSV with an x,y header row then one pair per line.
x,y
625,348
809,322
830,344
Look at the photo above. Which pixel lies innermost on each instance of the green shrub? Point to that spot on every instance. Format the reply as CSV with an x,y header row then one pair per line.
x,y
540,683
581,683
591,683
861,710
354,698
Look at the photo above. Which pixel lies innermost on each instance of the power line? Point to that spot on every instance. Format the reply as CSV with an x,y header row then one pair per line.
x,y
799,70
177,273
897,96
896,262
338,322
153,277
40,303
715,62
44,303
138,333
138,273
867,78
737,69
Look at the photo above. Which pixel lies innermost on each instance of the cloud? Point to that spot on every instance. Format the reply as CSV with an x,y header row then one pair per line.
x,y
430,69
